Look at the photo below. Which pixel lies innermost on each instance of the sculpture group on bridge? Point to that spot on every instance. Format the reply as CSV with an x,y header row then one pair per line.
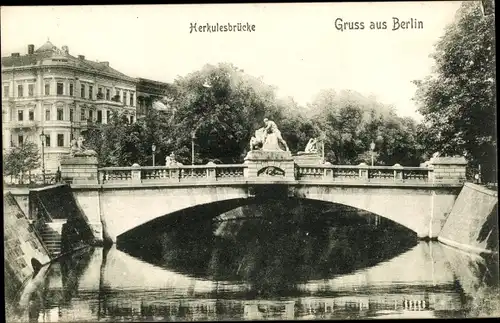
x,y
78,150
312,146
268,138
171,162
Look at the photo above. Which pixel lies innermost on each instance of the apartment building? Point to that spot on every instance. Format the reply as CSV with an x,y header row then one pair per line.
x,y
49,91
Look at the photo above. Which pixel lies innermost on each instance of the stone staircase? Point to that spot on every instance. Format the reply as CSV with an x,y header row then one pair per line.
x,y
52,238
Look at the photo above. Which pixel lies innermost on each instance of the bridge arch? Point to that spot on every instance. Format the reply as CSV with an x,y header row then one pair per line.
x,y
213,209
421,210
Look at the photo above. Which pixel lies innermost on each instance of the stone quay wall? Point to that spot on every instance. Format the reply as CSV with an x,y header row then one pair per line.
x,y
24,252
473,221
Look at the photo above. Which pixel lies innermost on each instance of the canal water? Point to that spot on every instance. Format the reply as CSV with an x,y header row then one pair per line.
x,y
265,262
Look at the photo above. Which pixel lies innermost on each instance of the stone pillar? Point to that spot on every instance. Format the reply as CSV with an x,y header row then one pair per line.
x,y
448,169
363,171
136,173
80,170
175,174
245,170
328,172
398,172
270,165
211,176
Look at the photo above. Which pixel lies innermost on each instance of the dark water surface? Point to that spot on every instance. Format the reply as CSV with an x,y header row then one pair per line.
x,y
268,262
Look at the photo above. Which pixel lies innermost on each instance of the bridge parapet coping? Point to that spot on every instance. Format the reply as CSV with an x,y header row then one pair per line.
x,y
282,168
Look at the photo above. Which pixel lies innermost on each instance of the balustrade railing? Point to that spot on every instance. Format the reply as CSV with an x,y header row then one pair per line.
x,y
213,172
158,174
363,173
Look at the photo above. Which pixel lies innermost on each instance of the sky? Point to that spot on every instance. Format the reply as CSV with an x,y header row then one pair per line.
x,y
299,48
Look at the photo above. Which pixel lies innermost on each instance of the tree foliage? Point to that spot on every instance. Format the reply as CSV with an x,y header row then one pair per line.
x,y
220,107
22,159
458,99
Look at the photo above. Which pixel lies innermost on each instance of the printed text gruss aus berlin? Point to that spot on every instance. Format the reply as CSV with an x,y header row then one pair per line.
x,y
397,24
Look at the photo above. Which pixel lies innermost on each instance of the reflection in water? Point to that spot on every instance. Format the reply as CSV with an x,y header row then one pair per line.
x,y
286,245
289,267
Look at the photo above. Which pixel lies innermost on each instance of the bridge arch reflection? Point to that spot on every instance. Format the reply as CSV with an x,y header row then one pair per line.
x,y
268,240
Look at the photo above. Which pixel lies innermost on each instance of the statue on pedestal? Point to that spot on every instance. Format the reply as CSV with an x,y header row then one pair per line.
x,y
171,162
268,138
312,146
78,150
257,141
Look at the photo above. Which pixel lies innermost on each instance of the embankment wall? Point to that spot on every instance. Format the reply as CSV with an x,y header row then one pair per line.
x,y
473,221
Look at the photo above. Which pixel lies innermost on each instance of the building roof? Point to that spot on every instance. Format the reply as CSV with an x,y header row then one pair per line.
x,y
47,47
48,50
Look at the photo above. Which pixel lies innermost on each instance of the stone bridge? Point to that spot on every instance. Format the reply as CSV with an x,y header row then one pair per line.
x,y
124,198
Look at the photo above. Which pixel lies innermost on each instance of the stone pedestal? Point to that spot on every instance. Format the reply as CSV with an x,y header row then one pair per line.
x,y
303,158
269,165
80,170
448,169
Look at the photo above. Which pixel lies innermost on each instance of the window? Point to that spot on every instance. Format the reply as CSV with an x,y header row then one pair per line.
x,y
82,92
31,89
71,115
131,99
20,115
60,88
124,96
71,89
47,88
91,92
5,91
108,115
47,115
20,91
99,116
60,114
71,136
91,115
108,94
131,119
20,140
82,114
60,140
47,140
31,115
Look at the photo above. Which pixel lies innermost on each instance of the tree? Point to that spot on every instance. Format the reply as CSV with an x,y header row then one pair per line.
x,y
351,121
458,101
22,159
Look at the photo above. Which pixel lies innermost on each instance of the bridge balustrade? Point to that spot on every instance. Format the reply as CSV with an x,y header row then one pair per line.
x,y
164,174
362,173
236,172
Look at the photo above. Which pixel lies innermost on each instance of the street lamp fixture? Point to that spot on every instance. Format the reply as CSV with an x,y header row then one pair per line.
x,y
193,137
43,140
153,148
372,148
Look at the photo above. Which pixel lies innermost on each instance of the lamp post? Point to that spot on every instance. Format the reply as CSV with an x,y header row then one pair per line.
x,y
372,148
43,138
193,137
153,148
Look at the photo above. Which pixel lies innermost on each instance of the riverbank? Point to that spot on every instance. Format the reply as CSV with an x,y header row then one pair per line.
x,y
54,229
472,224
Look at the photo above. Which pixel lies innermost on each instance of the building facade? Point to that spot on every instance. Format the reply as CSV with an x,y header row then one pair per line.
x,y
153,95
51,92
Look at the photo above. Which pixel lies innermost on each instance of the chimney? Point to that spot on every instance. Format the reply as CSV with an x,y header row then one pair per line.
x,y
15,55
105,63
65,50
81,57
31,49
